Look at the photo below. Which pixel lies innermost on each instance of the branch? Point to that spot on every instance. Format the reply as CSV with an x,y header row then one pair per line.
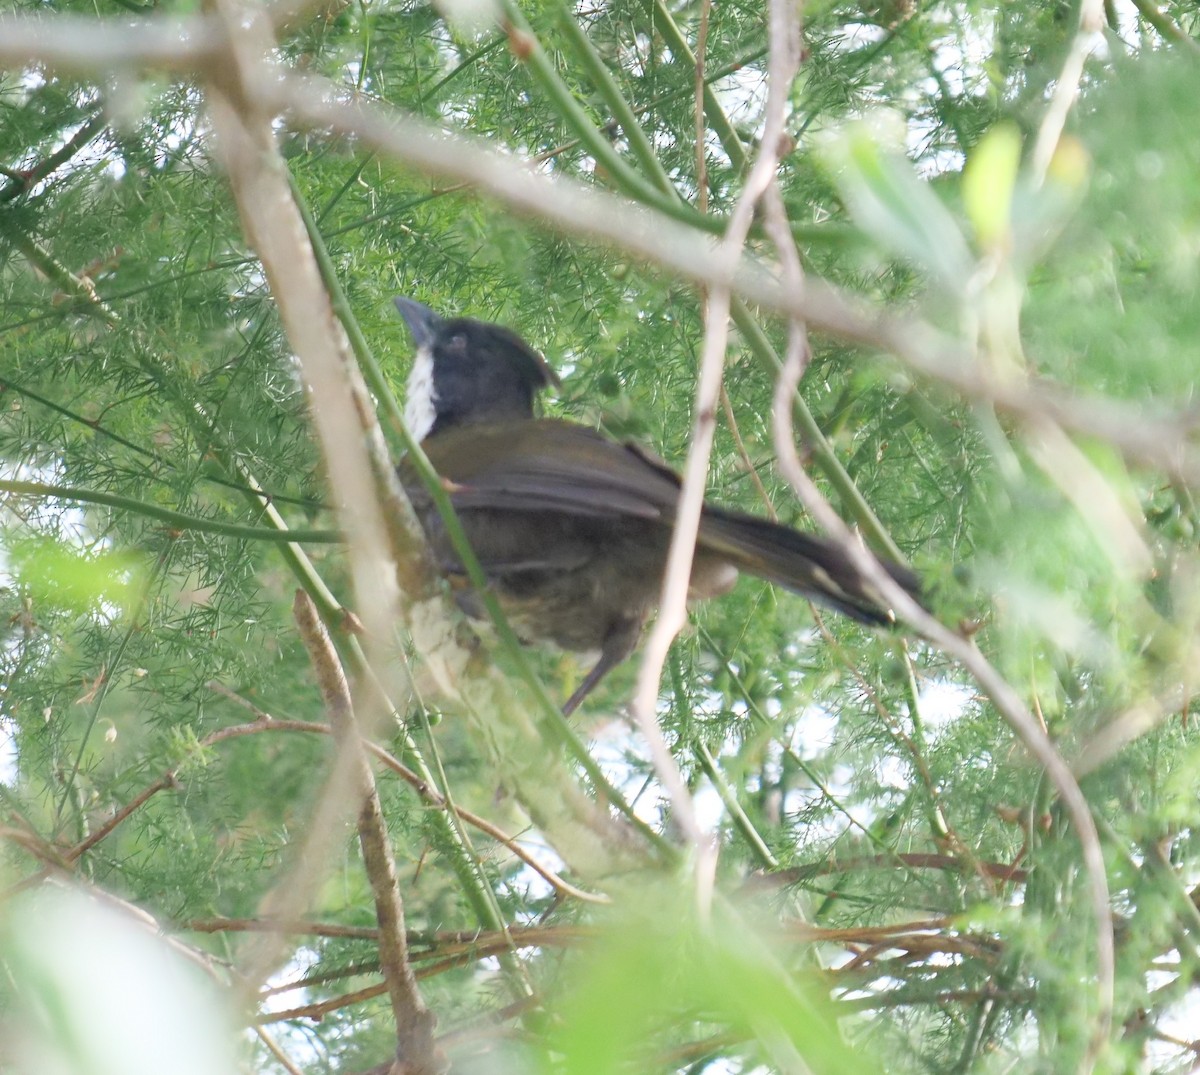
x,y
1156,438
784,62
340,407
1066,87
1005,699
265,724
912,860
544,791
176,520
29,177
1110,738
415,1023
1170,31
274,1048
76,44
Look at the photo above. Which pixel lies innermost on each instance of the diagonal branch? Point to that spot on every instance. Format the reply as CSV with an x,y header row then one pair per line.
x,y
351,446
1006,700
1156,437
30,177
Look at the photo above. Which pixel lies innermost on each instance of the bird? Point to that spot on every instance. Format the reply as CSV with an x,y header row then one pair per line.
x,y
570,526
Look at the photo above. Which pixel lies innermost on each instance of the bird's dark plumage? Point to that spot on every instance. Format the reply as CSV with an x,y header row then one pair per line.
x,y
570,527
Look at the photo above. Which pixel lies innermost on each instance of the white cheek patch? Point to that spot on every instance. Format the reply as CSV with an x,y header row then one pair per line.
x,y
419,410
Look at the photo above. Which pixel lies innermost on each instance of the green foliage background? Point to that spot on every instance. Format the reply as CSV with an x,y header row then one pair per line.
x,y
141,358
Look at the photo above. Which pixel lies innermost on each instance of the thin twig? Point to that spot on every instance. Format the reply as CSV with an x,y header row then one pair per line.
x,y
432,796
783,63
274,1048
1008,704
266,724
1005,699
295,927
744,455
1066,87
81,848
913,860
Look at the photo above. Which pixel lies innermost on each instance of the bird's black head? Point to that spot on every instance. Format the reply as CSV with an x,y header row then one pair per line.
x,y
468,371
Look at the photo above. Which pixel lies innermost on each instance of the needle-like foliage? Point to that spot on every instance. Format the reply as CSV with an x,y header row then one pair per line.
x,y
997,213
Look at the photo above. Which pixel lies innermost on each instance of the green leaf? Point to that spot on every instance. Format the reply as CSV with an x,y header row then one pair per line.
x,y
100,993
660,976
988,183
890,203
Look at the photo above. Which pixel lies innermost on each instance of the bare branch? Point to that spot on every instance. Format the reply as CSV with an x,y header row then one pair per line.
x,y
274,1048
1154,437
1111,738
415,1049
1006,700
75,44
784,62
1066,86
1003,697
998,871
340,407
23,181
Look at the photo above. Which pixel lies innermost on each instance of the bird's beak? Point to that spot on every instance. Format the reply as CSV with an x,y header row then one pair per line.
x,y
423,323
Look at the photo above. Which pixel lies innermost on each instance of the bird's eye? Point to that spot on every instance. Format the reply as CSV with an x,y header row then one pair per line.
x,y
457,343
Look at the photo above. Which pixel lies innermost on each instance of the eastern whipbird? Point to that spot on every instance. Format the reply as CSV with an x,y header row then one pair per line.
x,y
571,527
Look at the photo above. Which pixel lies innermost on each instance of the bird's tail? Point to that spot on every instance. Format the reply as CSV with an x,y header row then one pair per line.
x,y
806,564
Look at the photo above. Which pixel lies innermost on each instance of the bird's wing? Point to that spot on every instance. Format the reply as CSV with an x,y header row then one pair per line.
x,y
549,465
558,467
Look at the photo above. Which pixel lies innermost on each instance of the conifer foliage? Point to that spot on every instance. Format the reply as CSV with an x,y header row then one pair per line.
x,y
267,803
